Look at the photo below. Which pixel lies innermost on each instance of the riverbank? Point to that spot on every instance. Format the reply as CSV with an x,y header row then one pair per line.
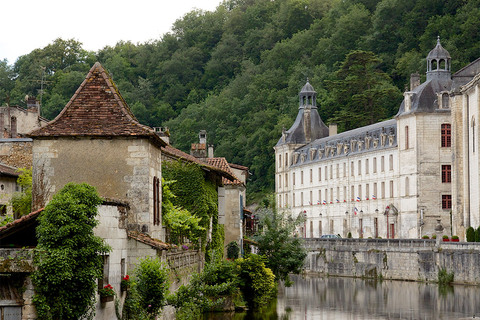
x,y
394,259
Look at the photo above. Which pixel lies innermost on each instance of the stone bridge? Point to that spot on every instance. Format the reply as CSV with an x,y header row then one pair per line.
x,y
396,259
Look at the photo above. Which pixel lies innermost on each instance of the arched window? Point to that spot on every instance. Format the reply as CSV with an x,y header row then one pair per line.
x,y
446,132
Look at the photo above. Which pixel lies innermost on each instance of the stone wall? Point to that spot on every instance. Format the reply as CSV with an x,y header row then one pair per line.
x,y
412,260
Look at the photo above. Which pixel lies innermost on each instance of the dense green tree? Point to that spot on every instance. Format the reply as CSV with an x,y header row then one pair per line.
x,y
277,242
68,257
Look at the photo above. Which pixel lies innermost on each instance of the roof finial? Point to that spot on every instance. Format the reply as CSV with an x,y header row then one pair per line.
x,y
438,39
307,79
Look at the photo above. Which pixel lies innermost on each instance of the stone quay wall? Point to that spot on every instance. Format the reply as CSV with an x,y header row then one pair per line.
x,y
395,259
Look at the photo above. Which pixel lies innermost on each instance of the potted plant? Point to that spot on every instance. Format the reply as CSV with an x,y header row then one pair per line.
x,y
425,237
445,238
455,239
125,283
434,236
107,293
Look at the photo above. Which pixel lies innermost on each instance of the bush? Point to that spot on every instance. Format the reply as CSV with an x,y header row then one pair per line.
x,y
477,234
470,234
233,250
425,237
151,279
257,282
444,277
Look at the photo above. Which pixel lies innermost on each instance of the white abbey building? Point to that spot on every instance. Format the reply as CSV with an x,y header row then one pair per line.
x,y
392,179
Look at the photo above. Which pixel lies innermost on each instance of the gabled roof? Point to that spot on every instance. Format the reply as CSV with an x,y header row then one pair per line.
x,y
96,109
178,154
223,164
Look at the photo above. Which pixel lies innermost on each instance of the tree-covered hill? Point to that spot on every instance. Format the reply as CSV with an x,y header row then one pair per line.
x,y
237,71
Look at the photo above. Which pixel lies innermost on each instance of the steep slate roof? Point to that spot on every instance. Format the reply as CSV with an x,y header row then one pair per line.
x,y
96,109
178,154
223,164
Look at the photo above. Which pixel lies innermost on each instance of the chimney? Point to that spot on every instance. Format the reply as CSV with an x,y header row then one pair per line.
x,y
210,150
32,103
414,81
163,133
332,129
202,136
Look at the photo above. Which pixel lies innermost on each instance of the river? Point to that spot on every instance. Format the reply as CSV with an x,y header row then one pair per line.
x,y
356,299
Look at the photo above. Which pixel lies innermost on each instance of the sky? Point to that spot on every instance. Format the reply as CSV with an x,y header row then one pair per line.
x,y
30,24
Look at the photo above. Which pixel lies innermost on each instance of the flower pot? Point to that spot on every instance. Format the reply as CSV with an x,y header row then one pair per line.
x,y
455,240
106,299
446,240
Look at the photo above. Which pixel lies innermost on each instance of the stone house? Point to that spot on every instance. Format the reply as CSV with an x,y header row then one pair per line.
x,y
96,139
391,179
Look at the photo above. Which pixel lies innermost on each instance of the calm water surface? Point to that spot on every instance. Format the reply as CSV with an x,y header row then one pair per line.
x,y
352,299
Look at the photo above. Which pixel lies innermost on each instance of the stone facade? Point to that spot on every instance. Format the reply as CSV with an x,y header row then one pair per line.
x,y
392,179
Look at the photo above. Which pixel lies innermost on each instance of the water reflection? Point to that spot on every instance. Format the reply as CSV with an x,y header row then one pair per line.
x,y
356,299
348,299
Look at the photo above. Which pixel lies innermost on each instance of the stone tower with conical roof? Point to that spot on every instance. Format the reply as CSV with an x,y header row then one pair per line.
x,y
424,138
308,127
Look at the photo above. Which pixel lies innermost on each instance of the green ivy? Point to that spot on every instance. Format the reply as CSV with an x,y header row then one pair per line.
x,y
195,193
22,201
181,223
68,256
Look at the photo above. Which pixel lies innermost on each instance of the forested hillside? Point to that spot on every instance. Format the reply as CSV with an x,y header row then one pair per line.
x,y
237,71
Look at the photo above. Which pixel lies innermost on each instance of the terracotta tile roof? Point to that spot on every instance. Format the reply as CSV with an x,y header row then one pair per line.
x,y
19,223
199,146
8,171
144,238
222,163
96,109
237,166
226,175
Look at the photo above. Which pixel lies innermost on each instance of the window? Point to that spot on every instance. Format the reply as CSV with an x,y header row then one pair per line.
x,y
375,227
286,180
446,201
344,169
319,228
446,173
331,226
352,192
360,191
293,202
319,197
473,135
331,171
351,169
280,200
338,170
360,228
326,171
382,164
390,162
345,193
326,195
367,169
286,200
311,229
406,137
301,199
319,174
446,135
383,190
279,180
331,195
156,201
293,178
359,167
311,198
286,160
301,177
311,175
374,189
374,165
279,160
391,188
367,191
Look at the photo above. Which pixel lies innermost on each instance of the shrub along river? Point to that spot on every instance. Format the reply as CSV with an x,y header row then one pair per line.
x,y
356,299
